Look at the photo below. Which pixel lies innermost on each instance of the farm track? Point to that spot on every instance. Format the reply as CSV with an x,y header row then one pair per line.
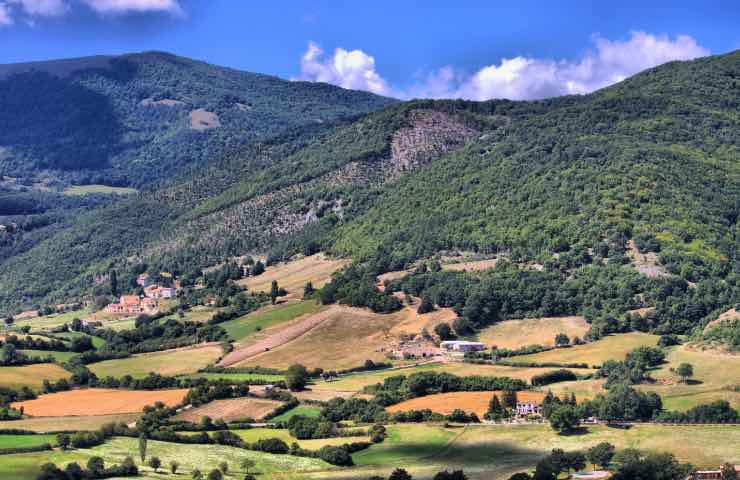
x,y
282,337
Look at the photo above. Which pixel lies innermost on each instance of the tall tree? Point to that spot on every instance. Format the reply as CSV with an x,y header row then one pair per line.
x,y
142,446
274,291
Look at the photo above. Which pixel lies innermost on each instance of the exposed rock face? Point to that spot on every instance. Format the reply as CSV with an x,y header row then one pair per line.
x,y
430,135
202,120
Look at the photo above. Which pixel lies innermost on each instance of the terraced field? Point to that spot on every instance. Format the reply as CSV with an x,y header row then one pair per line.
x,y
230,409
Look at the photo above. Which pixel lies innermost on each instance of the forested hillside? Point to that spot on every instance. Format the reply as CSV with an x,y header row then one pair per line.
x,y
576,186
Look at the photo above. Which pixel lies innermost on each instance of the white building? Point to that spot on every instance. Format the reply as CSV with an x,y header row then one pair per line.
x,y
462,346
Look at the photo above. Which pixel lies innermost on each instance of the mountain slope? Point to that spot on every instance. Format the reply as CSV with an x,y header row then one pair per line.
x,y
655,158
135,119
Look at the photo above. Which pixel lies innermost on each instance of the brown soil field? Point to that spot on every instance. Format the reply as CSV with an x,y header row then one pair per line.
x,y
293,275
341,337
230,409
55,424
201,120
445,403
530,331
98,401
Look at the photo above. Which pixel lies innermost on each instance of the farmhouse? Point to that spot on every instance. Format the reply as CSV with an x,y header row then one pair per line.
x,y
528,408
155,291
132,305
462,346
710,474
408,350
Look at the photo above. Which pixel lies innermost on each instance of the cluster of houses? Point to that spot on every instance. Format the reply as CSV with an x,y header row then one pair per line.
x,y
147,304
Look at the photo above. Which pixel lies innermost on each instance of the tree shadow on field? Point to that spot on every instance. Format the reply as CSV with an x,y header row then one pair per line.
x,y
575,432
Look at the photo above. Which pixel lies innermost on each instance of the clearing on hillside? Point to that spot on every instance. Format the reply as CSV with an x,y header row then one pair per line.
x,y
445,403
168,362
77,190
97,401
473,265
293,275
230,409
336,338
612,347
514,334
31,376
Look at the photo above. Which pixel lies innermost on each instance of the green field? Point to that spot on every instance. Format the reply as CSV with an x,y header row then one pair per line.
x,y
97,341
486,452
22,441
253,434
612,347
58,356
246,325
50,321
203,457
237,377
87,189
305,410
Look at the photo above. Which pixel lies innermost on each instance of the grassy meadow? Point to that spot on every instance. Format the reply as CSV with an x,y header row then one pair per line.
x,y
612,347
22,441
31,375
514,334
55,424
167,362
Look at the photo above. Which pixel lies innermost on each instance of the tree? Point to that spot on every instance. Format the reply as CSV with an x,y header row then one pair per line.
x,y
601,454
454,475
142,447
258,269
729,472
685,371
443,331
296,377
249,476
521,476
76,324
508,399
247,465
215,475
308,290
173,466
495,410
274,291
96,465
113,283
561,339
563,418
155,463
196,474
224,467
63,441
425,306
399,474
9,320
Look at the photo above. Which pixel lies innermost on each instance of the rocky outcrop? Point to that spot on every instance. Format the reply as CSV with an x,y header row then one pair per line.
x,y
429,135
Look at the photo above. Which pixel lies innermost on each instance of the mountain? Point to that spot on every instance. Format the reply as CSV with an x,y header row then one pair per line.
x,y
135,119
576,184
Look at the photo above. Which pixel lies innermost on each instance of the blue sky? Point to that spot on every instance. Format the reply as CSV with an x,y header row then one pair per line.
x,y
402,48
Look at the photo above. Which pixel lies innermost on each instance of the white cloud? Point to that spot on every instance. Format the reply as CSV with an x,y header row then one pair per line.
x,y
355,69
521,78
140,6
5,18
43,8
